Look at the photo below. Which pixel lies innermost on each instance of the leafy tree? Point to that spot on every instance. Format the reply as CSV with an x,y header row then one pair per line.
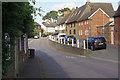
x,y
17,19
51,16
61,11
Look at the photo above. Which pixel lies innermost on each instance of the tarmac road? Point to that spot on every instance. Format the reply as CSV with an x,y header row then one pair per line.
x,y
64,65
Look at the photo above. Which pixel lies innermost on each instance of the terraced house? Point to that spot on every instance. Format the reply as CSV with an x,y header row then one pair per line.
x,y
83,21
61,22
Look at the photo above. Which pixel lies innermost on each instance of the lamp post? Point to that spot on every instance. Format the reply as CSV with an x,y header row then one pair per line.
x,y
103,22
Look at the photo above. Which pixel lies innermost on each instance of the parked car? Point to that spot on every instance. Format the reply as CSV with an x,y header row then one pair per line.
x,y
96,43
68,39
61,36
44,35
55,35
36,36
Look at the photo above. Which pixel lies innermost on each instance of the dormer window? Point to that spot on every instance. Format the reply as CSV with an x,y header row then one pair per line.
x,y
79,12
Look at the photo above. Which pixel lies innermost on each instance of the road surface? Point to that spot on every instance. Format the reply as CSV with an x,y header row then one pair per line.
x,y
64,65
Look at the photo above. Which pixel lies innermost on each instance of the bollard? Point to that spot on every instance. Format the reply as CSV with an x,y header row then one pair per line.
x,y
84,44
68,41
78,44
61,41
72,42
64,41
58,40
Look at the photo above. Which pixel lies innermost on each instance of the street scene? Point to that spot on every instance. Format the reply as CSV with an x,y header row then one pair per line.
x,y
60,40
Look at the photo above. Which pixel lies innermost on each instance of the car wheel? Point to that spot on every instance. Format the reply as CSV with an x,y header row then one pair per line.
x,y
92,48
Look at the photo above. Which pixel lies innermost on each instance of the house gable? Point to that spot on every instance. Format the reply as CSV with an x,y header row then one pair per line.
x,y
96,12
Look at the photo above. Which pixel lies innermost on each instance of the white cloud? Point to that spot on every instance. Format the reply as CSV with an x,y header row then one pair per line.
x,y
63,5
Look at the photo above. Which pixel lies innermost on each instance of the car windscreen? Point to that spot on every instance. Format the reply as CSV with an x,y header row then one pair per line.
x,y
70,36
101,39
62,36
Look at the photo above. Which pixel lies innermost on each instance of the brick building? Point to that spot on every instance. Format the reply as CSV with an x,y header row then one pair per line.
x,y
117,26
37,27
83,21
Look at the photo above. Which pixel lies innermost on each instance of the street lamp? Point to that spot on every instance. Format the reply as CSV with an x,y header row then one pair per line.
x,y
103,23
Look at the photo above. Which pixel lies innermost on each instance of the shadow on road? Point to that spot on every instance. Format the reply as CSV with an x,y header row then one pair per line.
x,y
52,68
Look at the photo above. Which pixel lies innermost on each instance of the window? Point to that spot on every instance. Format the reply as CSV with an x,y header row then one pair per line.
x,y
79,24
70,31
79,32
74,24
86,32
79,12
74,31
71,24
87,21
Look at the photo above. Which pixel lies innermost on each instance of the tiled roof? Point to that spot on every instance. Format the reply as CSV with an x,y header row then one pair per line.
x,y
87,15
50,25
117,13
64,19
76,14
59,20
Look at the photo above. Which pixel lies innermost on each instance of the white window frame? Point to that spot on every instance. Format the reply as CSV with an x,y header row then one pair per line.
x,y
87,21
79,23
81,33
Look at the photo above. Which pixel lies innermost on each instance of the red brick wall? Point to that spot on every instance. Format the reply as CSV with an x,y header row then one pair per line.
x,y
117,28
97,20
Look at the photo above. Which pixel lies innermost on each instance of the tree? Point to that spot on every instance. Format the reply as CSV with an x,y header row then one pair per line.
x,y
17,19
61,11
51,16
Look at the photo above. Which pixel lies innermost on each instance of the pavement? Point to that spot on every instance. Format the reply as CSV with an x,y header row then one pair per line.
x,y
109,54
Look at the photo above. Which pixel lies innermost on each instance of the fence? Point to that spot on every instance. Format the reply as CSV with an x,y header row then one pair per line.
x,y
78,44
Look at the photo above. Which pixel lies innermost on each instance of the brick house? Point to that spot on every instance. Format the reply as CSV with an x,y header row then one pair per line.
x,y
84,20
117,26
37,27
62,22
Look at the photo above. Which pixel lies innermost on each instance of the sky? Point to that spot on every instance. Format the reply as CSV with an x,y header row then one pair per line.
x,y
49,5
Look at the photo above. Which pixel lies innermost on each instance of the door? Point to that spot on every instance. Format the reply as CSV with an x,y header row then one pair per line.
x,y
112,35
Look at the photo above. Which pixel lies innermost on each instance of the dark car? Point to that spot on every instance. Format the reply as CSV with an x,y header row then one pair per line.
x,y
96,43
68,38
44,35
55,35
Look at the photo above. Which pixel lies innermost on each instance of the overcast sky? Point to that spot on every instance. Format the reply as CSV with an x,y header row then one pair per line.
x,y
48,5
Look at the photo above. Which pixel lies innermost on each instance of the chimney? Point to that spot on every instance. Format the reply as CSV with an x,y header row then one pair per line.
x,y
66,12
76,7
88,1
73,9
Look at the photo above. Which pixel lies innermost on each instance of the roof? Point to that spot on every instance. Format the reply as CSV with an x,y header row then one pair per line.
x,y
36,24
64,19
117,13
76,14
50,25
107,24
59,20
87,15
